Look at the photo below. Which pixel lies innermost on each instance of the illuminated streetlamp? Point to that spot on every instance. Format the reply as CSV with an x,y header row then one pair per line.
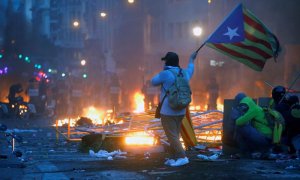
x,y
76,23
83,62
130,1
197,31
103,14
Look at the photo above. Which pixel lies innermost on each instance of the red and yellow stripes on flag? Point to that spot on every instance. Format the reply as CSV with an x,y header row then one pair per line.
x,y
258,46
187,130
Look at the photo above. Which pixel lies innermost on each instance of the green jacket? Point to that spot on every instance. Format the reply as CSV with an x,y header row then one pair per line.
x,y
255,116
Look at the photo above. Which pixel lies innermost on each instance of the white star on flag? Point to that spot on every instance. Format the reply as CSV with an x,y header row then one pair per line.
x,y
231,32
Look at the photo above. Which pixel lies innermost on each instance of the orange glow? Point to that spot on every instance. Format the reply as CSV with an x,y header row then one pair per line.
x,y
195,108
62,122
220,105
139,102
209,136
93,114
260,85
205,107
139,138
192,108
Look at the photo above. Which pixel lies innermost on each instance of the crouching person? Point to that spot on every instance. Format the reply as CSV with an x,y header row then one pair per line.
x,y
293,126
253,134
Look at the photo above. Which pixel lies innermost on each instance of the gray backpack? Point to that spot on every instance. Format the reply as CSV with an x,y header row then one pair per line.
x,y
179,94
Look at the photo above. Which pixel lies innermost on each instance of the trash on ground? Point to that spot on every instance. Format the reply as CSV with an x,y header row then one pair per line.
x,y
200,146
108,155
210,158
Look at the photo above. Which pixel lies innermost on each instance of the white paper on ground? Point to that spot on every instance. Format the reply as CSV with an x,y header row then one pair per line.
x,y
108,155
212,157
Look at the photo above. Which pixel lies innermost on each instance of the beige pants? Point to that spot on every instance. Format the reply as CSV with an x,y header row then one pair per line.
x,y
171,126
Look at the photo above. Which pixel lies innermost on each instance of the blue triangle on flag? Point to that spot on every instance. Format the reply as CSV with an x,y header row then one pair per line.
x,y
231,30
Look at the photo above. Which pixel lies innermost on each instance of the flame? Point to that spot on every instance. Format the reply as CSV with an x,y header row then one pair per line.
x,y
192,108
90,112
220,105
94,114
62,122
195,108
139,102
139,138
98,117
205,107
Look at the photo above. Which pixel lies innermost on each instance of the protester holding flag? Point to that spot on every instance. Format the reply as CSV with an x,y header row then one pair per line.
x,y
171,119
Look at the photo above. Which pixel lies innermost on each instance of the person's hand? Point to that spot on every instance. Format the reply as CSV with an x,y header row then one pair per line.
x,y
193,56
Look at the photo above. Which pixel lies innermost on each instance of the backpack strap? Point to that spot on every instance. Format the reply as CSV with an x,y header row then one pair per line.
x,y
180,73
175,75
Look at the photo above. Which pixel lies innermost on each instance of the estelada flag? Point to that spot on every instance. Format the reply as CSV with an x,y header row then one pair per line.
x,y
245,38
187,131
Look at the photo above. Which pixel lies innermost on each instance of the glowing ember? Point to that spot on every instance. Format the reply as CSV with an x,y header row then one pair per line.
x,y
65,121
139,102
139,138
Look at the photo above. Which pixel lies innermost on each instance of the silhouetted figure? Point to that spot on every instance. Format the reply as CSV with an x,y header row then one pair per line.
x,y
42,95
293,125
33,92
13,91
213,90
281,105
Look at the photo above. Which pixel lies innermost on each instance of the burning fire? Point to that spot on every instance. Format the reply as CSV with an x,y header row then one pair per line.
x,y
220,105
62,122
195,108
139,138
139,102
93,114
98,117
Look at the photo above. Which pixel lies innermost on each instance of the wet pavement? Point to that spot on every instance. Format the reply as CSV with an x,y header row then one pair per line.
x,y
47,157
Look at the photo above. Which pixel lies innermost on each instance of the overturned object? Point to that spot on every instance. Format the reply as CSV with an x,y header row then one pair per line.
x,y
101,141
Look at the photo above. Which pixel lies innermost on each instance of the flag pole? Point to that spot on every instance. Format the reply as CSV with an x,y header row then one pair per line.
x,y
200,47
289,87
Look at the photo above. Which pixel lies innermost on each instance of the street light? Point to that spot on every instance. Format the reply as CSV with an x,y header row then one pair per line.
x,y
76,23
130,1
83,62
197,31
103,14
